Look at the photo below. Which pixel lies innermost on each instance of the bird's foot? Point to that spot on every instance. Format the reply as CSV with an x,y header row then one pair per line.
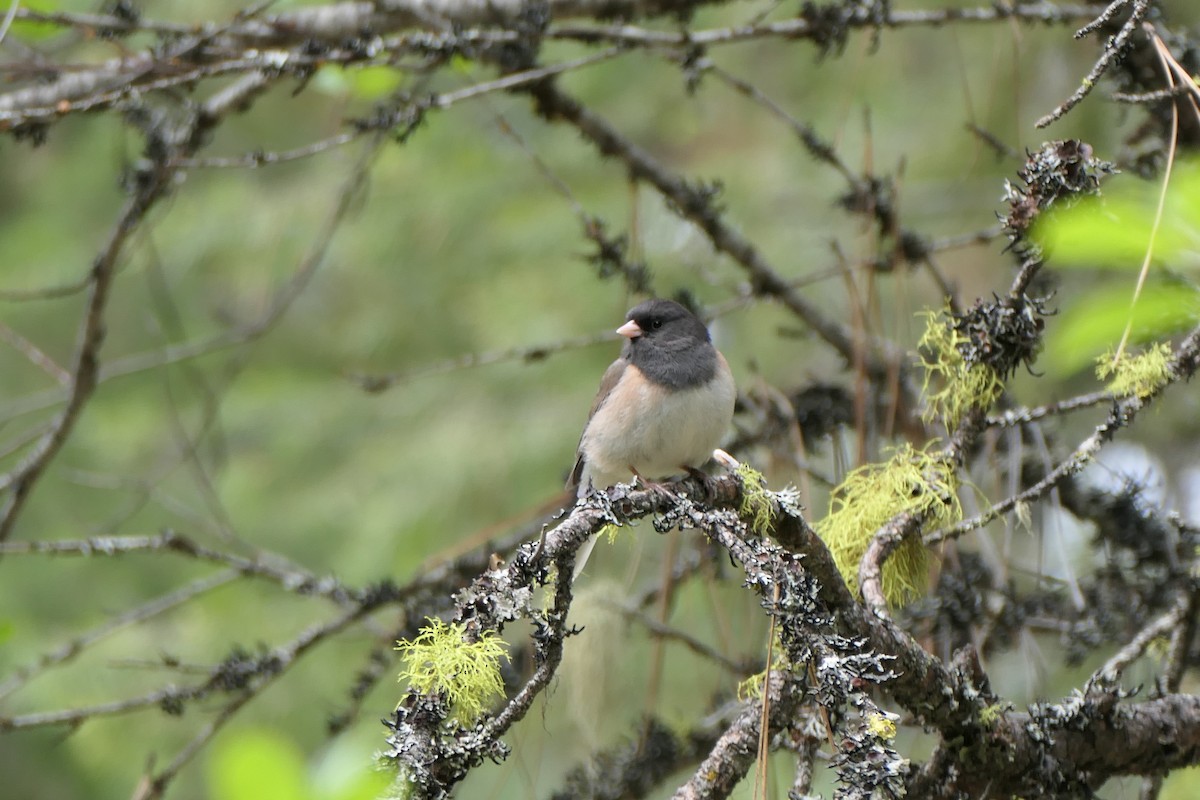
x,y
658,487
701,477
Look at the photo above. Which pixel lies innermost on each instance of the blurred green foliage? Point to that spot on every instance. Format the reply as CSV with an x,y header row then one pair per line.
x,y
1093,322
1132,223
1181,785
262,764
1117,229
458,245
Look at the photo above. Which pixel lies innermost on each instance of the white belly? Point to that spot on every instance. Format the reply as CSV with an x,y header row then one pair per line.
x,y
682,430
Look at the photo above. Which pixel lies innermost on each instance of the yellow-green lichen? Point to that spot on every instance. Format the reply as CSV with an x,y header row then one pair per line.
x,y
881,726
610,530
756,500
989,715
752,688
1142,374
914,481
965,385
440,659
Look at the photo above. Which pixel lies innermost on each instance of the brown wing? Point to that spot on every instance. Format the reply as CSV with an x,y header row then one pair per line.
x,y
612,376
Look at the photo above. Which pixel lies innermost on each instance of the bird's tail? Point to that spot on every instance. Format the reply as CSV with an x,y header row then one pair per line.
x,y
581,557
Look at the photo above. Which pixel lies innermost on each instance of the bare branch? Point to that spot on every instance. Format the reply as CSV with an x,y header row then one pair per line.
x,y
22,675
734,753
1113,49
1122,414
19,482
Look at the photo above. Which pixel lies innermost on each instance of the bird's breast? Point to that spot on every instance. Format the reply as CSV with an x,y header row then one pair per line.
x,y
656,430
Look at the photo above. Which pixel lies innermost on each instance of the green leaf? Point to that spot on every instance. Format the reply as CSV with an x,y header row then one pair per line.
x,y
367,83
330,79
1105,233
372,83
367,785
7,629
32,30
257,765
1096,321
345,771
1115,231
1182,784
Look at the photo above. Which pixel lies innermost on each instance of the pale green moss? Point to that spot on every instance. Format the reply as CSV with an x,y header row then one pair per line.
x,y
756,500
913,481
965,386
1141,375
751,688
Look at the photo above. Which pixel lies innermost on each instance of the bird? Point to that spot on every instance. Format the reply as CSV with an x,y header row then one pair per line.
x,y
662,407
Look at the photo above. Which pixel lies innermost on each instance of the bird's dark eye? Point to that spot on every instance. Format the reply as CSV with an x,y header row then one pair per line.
x,y
655,323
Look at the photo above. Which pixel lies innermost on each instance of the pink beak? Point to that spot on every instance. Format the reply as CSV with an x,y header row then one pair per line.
x,y
630,330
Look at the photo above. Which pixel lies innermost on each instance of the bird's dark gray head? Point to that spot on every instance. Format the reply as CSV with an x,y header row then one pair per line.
x,y
669,344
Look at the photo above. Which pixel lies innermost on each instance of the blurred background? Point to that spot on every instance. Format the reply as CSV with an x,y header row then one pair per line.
x,y
249,431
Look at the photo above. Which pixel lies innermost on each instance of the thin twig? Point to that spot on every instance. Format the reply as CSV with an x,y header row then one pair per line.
x,y
661,631
77,645
527,353
1116,665
695,203
20,481
290,578
1113,49
1122,415
1022,416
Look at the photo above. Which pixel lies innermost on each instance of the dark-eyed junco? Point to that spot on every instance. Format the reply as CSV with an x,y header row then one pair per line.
x,y
663,406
